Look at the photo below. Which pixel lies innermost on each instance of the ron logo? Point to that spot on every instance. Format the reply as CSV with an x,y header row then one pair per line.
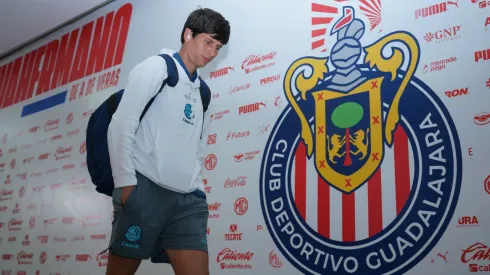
x,y
362,171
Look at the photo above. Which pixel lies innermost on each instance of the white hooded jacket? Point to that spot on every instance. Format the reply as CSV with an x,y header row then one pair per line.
x,y
166,146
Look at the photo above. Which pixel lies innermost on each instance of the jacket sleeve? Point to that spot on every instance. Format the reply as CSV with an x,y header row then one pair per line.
x,y
204,136
143,83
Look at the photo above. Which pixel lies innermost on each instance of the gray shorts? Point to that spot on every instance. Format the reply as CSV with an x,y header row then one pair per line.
x,y
155,218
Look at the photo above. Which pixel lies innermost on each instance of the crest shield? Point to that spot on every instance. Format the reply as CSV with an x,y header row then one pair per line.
x,y
349,134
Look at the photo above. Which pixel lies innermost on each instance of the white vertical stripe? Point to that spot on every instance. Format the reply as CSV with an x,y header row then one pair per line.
x,y
411,163
388,192
311,194
293,177
335,214
361,210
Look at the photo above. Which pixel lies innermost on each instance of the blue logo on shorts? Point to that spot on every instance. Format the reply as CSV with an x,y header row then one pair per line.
x,y
134,233
204,241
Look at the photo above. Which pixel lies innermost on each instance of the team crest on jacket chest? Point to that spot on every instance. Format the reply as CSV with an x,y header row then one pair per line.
x,y
362,170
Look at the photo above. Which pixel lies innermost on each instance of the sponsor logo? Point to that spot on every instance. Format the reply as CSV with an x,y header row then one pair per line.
x,y
239,157
57,137
6,195
434,9
51,125
255,62
345,129
219,115
250,108
210,162
468,221
234,235
232,259
482,55
474,255
91,220
486,183
26,241
63,152
481,3
270,79
238,182
241,206
456,92
274,260
213,208
69,118
221,72
43,239
62,257
444,35
237,135
236,89
83,257
482,118
212,139
24,258
43,257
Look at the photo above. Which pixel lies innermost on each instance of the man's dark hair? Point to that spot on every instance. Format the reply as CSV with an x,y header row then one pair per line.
x,y
207,21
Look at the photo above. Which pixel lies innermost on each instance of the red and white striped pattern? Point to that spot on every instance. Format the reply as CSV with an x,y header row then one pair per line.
x,y
361,214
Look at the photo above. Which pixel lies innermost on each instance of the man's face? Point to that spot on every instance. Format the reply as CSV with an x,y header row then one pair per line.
x,y
204,49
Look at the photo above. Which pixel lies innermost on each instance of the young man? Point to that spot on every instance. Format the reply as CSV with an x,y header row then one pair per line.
x,y
160,208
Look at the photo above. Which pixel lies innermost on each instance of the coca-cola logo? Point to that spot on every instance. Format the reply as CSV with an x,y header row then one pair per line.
x,y
238,182
233,255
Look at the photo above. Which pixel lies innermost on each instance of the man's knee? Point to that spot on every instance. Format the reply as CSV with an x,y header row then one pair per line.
x,y
121,265
181,261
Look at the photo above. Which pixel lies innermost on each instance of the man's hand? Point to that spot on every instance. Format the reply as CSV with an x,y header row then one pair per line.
x,y
126,190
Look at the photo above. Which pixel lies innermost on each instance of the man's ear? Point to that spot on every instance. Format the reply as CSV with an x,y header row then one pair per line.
x,y
187,34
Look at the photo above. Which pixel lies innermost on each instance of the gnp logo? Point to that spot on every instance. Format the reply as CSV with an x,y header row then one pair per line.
x,y
354,130
443,35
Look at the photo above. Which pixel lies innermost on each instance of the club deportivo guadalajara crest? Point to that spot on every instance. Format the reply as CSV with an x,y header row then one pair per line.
x,y
360,138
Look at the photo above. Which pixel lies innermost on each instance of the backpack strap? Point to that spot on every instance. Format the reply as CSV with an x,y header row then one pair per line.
x,y
171,80
205,94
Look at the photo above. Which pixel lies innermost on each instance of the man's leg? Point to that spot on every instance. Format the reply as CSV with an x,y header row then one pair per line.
x,y
121,265
187,262
135,228
183,242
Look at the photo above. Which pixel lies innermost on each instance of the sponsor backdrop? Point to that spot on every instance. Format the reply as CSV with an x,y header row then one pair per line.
x,y
347,137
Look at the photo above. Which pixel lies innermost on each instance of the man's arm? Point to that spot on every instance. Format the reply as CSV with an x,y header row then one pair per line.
x,y
144,82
